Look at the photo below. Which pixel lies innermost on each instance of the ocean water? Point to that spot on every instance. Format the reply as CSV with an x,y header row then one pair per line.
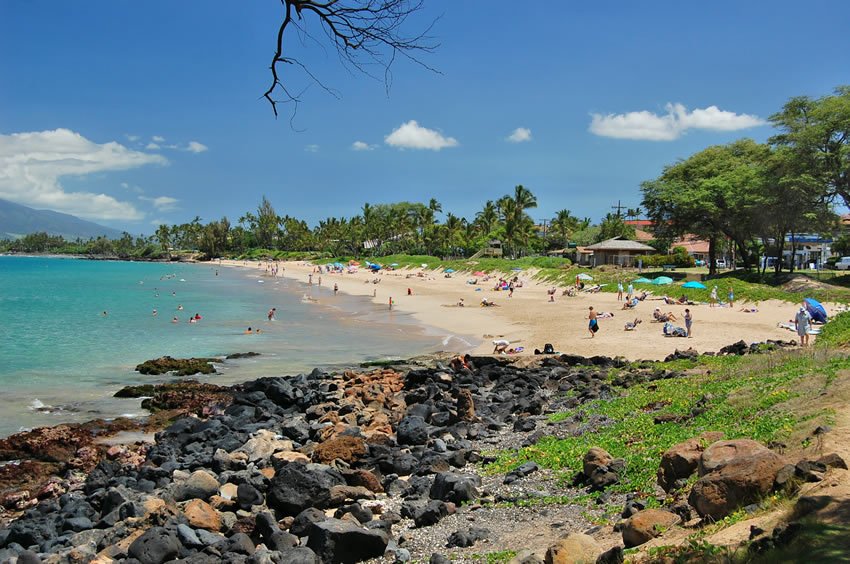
x,y
61,358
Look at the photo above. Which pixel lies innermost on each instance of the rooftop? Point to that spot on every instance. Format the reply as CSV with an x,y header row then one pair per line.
x,y
619,244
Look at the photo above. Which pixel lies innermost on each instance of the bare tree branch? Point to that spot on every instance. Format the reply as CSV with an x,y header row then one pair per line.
x,y
365,33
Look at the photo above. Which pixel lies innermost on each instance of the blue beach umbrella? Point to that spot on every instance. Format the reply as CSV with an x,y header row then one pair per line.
x,y
642,280
816,310
694,284
662,281
449,270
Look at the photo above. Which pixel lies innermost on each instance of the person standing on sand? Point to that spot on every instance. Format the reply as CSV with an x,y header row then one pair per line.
x,y
803,320
336,289
688,321
712,299
731,297
593,324
630,292
619,290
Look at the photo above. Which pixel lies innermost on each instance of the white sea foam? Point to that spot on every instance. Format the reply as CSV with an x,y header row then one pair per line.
x,y
448,339
37,404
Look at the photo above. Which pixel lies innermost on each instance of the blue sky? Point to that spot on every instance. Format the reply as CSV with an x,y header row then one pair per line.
x,y
131,113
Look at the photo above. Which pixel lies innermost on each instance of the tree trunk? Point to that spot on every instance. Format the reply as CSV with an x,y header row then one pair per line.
x,y
712,253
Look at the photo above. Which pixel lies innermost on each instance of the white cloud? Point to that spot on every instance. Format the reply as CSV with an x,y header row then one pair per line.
x,y
158,139
158,222
650,126
411,135
152,146
519,135
362,146
312,148
32,165
131,138
196,147
162,203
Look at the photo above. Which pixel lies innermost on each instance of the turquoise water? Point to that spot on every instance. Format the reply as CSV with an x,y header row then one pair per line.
x,y
61,358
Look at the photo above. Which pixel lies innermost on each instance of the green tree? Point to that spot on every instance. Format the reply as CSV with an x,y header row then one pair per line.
x,y
818,133
563,225
614,226
267,225
715,193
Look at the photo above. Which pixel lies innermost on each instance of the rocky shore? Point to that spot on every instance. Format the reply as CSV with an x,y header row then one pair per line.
x,y
383,465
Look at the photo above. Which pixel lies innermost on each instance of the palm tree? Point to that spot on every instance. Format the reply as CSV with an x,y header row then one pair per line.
x,y
563,224
524,198
163,235
488,217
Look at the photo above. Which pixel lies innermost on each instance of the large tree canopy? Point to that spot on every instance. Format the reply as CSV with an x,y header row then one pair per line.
x,y
817,131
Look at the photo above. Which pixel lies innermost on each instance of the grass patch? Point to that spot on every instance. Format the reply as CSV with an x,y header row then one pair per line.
x,y
836,333
746,399
497,557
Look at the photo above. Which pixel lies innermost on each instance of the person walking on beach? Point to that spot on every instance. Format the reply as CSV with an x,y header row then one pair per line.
x,y
803,320
619,290
593,324
688,321
336,289
731,297
712,299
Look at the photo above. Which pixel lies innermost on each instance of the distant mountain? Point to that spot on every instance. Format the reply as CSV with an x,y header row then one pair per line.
x,y
17,220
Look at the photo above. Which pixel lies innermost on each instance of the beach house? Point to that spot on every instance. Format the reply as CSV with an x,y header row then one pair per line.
x,y
616,250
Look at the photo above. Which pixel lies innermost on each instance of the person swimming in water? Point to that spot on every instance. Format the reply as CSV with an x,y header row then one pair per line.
x,y
175,320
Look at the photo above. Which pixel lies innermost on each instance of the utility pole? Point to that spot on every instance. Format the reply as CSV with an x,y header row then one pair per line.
x,y
619,208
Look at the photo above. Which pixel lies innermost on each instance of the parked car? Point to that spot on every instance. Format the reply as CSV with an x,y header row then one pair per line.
x,y
843,263
720,263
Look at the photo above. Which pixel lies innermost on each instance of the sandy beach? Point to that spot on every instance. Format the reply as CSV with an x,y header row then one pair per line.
x,y
529,320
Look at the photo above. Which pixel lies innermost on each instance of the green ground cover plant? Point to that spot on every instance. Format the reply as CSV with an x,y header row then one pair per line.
x,y
745,397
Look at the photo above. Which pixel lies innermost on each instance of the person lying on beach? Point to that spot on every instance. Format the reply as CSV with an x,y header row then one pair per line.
x,y
749,309
643,295
632,325
663,317
631,304
488,303
460,303
571,291
671,330
604,315
669,301
685,301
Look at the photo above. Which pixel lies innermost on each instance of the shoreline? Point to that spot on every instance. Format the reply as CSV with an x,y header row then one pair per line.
x,y
530,321
317,338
